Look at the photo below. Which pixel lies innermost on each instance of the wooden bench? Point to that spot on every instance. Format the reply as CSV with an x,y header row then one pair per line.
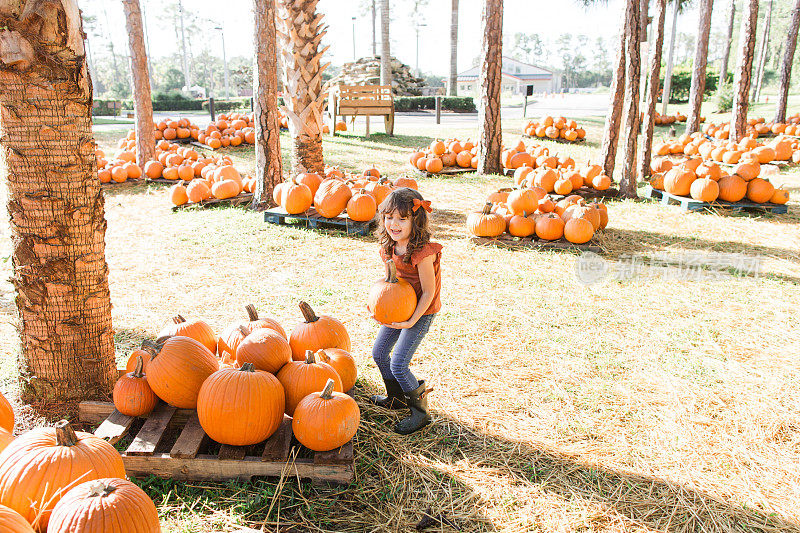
x,y
362,100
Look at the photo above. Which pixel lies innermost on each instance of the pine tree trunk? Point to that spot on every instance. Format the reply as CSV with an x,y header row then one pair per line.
x,y
654,68
55,203
143,104
269,167
699,72
608,152
762,55
744,69
374,35
670,58
786,66
490,143
726,52
452,84
301,32
187,82
386,53
629,178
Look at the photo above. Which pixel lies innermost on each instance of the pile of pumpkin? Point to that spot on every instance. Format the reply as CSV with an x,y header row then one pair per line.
x,y
229,130
534,166
555,128
666,120
525,212
59,480
450,153
756,127
217,179
706,181
337,192
171,129
781,148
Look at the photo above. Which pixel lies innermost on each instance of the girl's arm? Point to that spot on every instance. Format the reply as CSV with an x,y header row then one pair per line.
x,y
427,278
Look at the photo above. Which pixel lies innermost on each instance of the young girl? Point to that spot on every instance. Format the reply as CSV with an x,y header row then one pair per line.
x,y
404,237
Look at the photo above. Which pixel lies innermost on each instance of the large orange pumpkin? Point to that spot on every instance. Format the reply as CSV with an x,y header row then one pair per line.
x,y
679,180
331,198
326,420
521,226
316,333
195,329
265,349
759,190
780,196
13,522
108,505
6,414
241,406
343,363
177,370
522,201
132,394
578,230
40,465
296,197
704,189
485,223
362,206
391,299
732,188
301,378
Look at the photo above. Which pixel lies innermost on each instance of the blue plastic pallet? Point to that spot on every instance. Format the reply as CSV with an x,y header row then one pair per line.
x,y
690,204
314,220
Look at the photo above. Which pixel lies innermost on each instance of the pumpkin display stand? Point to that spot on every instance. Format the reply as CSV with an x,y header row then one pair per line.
x,y
241,199
312,219
690,204
509,241
170,443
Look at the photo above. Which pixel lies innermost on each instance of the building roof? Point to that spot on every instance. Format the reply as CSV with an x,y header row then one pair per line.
x,y
528,72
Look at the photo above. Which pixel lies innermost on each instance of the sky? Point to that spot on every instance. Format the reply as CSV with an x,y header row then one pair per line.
x,y
547,18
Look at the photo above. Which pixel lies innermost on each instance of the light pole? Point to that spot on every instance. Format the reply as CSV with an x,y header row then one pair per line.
x,y
419,25
224,60
354,38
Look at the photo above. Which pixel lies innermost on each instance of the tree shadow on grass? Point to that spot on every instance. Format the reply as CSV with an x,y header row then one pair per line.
x,y
399,141
446,224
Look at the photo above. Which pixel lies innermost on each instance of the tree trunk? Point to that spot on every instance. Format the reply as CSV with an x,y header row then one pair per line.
x,y
608,153
187,82
726,52
699,72
654,67
744,68
374,35
55,203
452,85
386,53
269,167
490,143
644,10
629,178
762,55
786,66
670,59
143,104
301,32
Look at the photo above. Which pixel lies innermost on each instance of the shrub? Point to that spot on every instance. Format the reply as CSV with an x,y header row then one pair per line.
x,y
175,101
682,84
724,97
229,104
107,107
449,103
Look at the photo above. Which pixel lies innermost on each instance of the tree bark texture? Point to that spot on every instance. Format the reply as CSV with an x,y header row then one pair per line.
x,y
629,177
490,143
143,104
608,151
654,68
386,53
453,83
699,71
762,54
55,203
744,68
269,167
726,51
786,65
301,31
670,58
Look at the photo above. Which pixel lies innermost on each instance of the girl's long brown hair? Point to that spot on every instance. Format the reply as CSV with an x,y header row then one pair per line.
x,y
403,200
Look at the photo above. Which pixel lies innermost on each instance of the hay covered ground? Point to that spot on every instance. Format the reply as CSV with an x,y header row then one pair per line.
x,y
664,400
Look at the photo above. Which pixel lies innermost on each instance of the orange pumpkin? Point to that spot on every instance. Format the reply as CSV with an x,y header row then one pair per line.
x,y
343,363
311,180
177,370
326,420
521,226
265,349
6,414
132,394
301,378
195,329
296,197
522,201
578,230
732,188
331,198
759,190
780,196
316,333
362,206
391,299
13,522
678,181
485,223
549,227
704,189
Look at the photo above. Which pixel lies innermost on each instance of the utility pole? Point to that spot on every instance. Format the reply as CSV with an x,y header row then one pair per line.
x,y
670,56
224,61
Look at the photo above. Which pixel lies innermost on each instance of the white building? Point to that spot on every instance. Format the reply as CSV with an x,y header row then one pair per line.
x,y
517,77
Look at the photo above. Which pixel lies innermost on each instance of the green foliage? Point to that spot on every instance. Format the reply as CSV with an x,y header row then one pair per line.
x,y
172,80
682,84
175,101
105,107
229,104
724,97
449,103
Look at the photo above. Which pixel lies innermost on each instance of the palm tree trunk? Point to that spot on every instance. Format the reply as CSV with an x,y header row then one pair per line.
x,y
670,59
654,67
490,143
786,66
55,204
699,72
726,52
452,84
269,167
608,152
744,68
386,53
629,179
762,55
301,32
143,104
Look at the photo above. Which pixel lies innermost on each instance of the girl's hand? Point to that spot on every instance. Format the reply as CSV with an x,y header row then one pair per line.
x,y
402,325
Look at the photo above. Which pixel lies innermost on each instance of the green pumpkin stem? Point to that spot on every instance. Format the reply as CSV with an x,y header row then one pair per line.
x,y
137,372
99,489
65,435
308,313
251,312
247,367
327,392
310,360
391,272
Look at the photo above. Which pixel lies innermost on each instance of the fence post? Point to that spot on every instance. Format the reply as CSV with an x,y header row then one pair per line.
x,y
438,109
211,108
525,107
252,106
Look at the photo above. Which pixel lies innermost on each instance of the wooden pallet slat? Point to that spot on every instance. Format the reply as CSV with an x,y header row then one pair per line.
x,y
233,453
114,427
341,455
528,242
279,444
241,199
190,440
152,431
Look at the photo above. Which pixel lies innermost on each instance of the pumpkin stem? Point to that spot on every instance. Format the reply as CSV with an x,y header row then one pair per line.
x,y
243,330
151,347
308,313
247,367
251,312
487,208
137,372
310,360
321,355
327,392
178,319
98,489
65,435
391,272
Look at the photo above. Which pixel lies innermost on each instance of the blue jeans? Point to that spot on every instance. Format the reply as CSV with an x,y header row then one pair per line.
x,y
394,365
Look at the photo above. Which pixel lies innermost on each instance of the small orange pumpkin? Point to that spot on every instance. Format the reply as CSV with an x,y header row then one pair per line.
x,y
301,378
326,420
343,363
132,394
391,299
316,333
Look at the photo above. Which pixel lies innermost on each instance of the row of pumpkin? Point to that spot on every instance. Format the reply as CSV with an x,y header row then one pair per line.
x,y
555,128
756,127
781,148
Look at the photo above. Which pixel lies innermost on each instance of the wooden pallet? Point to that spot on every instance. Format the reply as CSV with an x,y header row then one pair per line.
x,y
690,204
587,193
446,171
242,199
559,140
314,220
170,443
129,181
532,242
161,180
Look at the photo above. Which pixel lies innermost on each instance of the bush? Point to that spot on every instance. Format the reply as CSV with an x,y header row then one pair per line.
x,y
229,104
107,107
449,103
175,101
682,84
724,98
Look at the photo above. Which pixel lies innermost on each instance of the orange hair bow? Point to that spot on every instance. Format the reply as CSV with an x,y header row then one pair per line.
x,y
425,204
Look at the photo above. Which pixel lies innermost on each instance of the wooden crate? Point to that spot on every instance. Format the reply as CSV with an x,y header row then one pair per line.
x,y
509,241
170,443
690,204
244,198
314,220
